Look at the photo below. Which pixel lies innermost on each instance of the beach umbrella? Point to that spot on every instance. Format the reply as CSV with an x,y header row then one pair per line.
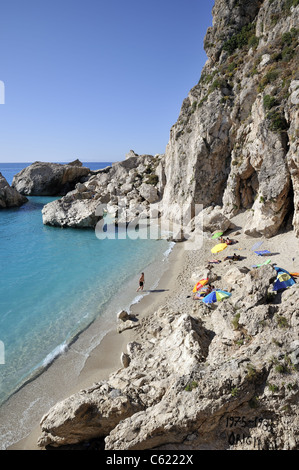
x,y
200,293
263,252
257,245
283,280
219,247
200,284
216,296
217,235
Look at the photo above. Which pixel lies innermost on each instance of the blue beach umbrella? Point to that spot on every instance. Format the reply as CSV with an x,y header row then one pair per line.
x,y
263,252
283,280
216,296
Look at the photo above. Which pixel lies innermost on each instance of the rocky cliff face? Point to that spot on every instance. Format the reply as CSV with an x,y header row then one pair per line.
x,y
236,139
235,143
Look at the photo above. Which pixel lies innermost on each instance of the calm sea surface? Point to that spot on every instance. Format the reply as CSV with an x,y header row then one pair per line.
x,y
54,282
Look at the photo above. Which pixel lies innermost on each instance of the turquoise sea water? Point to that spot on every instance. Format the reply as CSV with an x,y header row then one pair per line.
x,y
54,282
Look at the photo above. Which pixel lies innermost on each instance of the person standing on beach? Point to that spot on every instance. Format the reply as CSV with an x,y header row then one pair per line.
x,y
141,282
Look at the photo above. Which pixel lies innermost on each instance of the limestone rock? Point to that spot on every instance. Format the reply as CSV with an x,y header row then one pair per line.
x,y
84,416
80,213
236,275
126,321
151,402
149,193
125,360
257,283
131,153
75,163
123,315
215,220
231,146
128,325
10,197
204,272
293,159
49,179
122,190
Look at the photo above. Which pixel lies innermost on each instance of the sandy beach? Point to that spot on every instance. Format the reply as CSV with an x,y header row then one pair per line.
x,y
175,291
101,362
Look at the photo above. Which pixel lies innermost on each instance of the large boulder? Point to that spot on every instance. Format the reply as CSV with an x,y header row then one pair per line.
x,y
49,179
149,193
86,415
213,219
143,380
80,213
10,197
256,284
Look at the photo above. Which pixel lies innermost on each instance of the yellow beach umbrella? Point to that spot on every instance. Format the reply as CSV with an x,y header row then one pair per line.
x,y
219,247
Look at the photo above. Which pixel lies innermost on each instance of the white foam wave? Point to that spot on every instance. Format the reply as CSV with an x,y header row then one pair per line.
x,y
55,353
137,299
169,250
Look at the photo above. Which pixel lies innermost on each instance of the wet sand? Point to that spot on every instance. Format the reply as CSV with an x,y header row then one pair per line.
x,y
101,362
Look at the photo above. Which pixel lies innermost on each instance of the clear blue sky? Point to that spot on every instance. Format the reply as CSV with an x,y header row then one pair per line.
x,y
92,79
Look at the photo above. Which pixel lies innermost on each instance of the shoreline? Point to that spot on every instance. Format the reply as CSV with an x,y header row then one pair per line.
x,y
172,290
104,358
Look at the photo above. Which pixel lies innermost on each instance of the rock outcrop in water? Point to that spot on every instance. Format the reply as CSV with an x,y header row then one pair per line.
x,y
131,185
49,179
9,197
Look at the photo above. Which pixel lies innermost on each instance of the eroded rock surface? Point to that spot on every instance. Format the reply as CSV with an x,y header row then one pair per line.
x,y
125,190
49,179
196,381
10,197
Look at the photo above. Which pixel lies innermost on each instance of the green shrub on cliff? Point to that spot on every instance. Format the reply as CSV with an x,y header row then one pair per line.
x,y
287,38
277,121
269,77
269,101
288,4
152,179
245,37
218,84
